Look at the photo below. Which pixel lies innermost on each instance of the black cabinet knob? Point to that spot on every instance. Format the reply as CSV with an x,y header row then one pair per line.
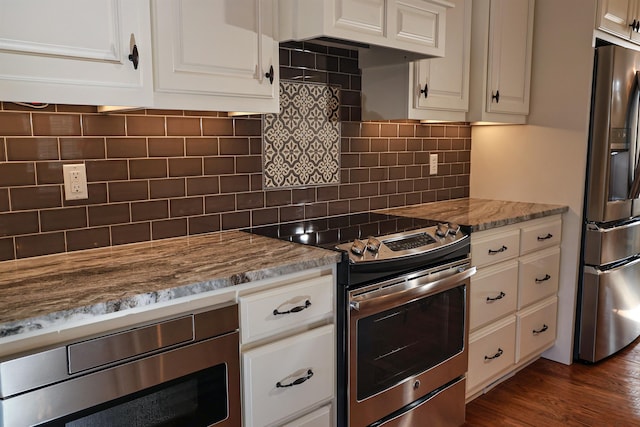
x,y
269,75
425,90
134,57
496,96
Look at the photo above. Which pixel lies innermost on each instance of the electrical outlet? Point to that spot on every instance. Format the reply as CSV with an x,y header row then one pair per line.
x,y
75,182
433,164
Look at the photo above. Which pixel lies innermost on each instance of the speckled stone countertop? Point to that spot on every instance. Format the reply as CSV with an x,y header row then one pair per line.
x,y
46,292
479,214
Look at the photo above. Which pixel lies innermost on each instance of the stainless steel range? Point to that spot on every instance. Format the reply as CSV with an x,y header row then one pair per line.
x,y
402,315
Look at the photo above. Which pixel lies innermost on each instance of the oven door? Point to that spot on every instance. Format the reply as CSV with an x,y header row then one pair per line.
x,y
407,338
195,385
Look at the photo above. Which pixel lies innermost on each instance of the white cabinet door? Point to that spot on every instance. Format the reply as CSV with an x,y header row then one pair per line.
x,y
288,377
75,52
416,22
443,83
509,65
410,26
215,55
613,16
360,16
432,89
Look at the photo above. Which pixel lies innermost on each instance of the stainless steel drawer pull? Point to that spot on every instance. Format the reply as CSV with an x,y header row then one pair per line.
x,y
547,237
500,296
296,381
539,331
497,251
495,356
544,279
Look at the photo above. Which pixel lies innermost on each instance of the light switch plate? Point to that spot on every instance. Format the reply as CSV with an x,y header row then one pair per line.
x,y
433,164
75,182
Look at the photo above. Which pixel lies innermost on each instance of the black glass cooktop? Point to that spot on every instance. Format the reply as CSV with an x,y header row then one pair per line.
x,y
331,231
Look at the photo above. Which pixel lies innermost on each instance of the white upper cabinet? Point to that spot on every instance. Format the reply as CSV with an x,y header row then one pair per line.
x,y
75,52
215,55
620,18
410,26
429,89
502,35
442,84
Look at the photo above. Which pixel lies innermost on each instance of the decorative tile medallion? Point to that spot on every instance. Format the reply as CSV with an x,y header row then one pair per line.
x,y
301,144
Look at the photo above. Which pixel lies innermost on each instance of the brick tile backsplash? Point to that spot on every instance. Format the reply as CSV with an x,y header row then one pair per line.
x,y
155,174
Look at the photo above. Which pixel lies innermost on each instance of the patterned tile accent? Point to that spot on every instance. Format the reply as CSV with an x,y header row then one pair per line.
x,y
301,144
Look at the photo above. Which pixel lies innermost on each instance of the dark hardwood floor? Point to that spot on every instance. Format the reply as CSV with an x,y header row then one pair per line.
x,y
547,393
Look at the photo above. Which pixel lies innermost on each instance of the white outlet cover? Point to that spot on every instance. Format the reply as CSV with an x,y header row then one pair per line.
x,y
75,182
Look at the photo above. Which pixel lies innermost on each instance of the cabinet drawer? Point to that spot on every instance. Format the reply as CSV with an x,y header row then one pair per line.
x,y
491,352
318,418
284,308
493,293
536,328
540,236
538,276
495,247
269,371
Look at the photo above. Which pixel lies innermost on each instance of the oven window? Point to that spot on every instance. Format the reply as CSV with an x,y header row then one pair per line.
x,y
409,339
199,399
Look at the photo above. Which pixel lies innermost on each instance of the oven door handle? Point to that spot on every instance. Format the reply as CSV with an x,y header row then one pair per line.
x,y
413,289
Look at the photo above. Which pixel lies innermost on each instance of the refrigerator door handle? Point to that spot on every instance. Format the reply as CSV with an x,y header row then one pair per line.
x,y
634,190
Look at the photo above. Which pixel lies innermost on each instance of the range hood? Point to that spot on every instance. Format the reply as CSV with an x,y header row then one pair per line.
x,y
383,31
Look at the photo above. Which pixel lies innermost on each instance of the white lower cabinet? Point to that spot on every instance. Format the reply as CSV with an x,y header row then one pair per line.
x,y
288,376
513,299
494,294
281,309
492,351
536,328
288,350
318,418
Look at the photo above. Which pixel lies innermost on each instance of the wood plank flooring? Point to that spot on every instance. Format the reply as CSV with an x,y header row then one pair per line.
x,y
551,394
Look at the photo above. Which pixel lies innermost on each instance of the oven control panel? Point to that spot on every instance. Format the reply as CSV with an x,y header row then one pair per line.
x,y
399,245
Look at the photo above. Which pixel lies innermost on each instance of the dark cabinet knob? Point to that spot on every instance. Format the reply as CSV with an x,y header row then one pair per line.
x,y
134,57
269,75
496,96
635,25
425,90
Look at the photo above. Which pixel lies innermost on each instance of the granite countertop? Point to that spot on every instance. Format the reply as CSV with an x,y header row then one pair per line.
x,y
46,292
479,214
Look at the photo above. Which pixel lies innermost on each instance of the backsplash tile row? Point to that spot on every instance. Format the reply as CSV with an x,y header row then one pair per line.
x,y
155,174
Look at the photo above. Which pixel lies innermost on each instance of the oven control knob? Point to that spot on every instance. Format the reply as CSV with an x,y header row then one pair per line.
x,y
358,247
453,228
416,385
442,230
373,244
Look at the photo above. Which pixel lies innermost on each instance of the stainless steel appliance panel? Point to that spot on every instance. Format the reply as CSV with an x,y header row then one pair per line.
x,y
613,151
443,408
38,388
607,244
610,316
611,233
112,348
384,391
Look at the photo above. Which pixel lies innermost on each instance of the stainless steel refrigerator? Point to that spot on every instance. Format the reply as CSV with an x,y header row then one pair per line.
x,y
608,315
